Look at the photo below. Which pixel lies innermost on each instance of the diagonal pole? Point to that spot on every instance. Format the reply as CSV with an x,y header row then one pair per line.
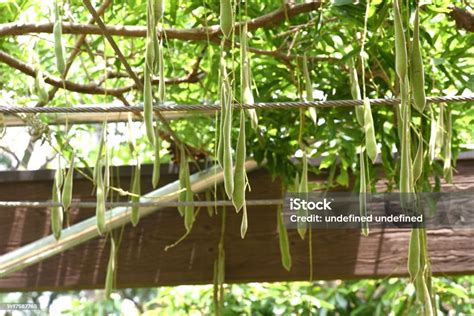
x,y
81,232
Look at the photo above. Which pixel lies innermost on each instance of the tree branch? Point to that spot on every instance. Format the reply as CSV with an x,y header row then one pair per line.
x,y
197,34
194,76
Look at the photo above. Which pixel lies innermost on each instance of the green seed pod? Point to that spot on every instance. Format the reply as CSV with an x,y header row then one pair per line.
x,y
222,97
303,189
161,71
238,196
136,190
148,106
100,151
100,205
226,17
283,240
433,133
56,211
210,209
447,168
59,177
188,209
440,129
355,91
401,59
106,172
362,193
418,162
156,162
244,224
370,142
246,78
40,87
111,269
67,188
296,182
417,76
58,45
414,254
159,9
182,180
151,22
406,167
227,141
309,90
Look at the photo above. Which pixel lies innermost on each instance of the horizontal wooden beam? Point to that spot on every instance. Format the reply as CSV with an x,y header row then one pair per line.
x,y
142,261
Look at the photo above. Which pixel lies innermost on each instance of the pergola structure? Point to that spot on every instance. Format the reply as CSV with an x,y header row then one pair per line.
x,y
143,261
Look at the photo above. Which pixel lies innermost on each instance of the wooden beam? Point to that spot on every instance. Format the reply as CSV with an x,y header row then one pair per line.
x,y
142,261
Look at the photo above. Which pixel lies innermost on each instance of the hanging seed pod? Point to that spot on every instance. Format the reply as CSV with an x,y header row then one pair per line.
x,y
100,151
370,142
423,278
222,99
355,92
59,176
159,9
148,101
161,72
447,168
283,240
136,190
418,76
183,165
210,209
440,129
433,133
429,285
188,209
414,254
245,78
296,182
303,189
244,224
401,59
56,215
418,162
309,90
156,162
57,211
226,17
151,48
100,196
111,269
362,196
58,45
67,188
106,177
227,141
238,196
40,87
406,167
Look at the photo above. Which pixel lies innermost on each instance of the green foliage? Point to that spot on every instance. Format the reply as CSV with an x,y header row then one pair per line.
x,y
329,33
364,297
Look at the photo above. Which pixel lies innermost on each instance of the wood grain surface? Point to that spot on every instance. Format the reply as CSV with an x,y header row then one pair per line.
x,y
142,261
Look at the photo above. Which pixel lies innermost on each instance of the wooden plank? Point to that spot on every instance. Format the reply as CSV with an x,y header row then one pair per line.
x,y
338,254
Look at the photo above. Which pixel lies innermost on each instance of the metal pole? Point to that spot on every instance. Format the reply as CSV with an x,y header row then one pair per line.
x,y
83,231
